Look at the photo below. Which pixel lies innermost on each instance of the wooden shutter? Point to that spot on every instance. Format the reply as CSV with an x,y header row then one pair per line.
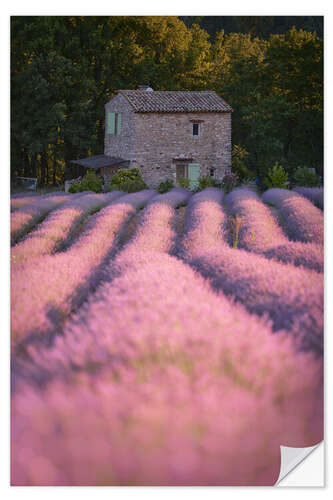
x,y
110,122
194,174
118,123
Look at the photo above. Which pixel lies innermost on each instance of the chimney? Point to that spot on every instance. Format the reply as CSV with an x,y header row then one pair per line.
x,y
145,88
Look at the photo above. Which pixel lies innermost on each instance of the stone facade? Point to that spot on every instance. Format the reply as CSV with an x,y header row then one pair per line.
x,y
120,145
162,144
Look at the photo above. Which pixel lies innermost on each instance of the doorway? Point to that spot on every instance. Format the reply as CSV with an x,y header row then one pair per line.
x,y
189,171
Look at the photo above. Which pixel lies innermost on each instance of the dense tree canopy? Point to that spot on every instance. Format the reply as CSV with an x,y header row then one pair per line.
x,y
64,69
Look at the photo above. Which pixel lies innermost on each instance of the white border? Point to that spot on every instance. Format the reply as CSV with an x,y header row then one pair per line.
x,y
186,7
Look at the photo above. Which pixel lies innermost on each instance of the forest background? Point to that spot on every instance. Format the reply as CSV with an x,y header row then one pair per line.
x,y
64,69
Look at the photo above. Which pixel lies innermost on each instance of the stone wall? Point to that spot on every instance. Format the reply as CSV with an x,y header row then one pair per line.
x,y
163,137
121,146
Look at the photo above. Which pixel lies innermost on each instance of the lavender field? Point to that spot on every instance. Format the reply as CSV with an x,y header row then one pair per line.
x,y
171,339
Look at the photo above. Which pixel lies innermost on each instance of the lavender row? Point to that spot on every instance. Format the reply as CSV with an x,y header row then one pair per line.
x,y
59,226
18,201
174,197
25,218
291,296
260,232
47,288
21,201
155,230
314,194
138,363
302,221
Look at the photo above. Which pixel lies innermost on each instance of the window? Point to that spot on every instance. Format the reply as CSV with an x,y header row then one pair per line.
x,y
211,171
114,123
195,129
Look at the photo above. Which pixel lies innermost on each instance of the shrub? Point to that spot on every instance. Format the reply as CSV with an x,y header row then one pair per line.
x,y
305,177
206,181
277,177
165,186
133,186
75,187
90,182
184,182
229,182
239,154
128,180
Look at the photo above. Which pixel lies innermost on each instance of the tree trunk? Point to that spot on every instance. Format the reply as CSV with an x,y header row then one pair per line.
x,y
47,170
33,165
26,163
54,166
43,167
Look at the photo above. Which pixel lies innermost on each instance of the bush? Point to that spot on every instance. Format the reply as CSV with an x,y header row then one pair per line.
x,y
277,177
74,188
184,182
165,186
229,182
205,182
128,180
305,177
90,182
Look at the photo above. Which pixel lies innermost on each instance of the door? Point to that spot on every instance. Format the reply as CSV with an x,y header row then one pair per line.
x,y
180,172
193,174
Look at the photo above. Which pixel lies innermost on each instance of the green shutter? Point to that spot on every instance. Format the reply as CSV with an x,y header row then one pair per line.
x,y
193,174
118,123
110,122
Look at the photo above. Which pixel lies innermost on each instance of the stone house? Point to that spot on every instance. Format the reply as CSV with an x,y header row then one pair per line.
x,y
166,135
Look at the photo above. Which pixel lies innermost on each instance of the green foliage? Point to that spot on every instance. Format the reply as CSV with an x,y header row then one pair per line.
x,y
274,84
239,155
184,182
74,188
229,182
305,177
128,180
262,26
205,181
90,182
132,186
124,175
165,186
276,90
277,177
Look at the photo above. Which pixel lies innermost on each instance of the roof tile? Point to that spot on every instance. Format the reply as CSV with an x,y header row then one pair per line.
x,y
175,101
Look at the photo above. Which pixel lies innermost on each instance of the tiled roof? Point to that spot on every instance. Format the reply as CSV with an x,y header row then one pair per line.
x,y
143,101
98,161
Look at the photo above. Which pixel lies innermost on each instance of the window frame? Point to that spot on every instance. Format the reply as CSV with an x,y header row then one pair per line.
x,y
199,127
